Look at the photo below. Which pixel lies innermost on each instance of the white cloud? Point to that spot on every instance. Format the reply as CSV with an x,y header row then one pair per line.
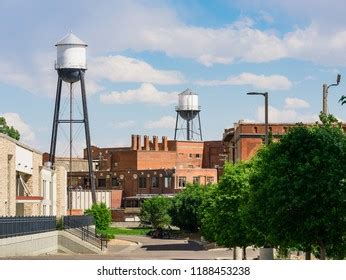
x,y
146,93
285,115
124,124
26,132
126,69
161,30
271,82
309,78
295,103
164,122
265,16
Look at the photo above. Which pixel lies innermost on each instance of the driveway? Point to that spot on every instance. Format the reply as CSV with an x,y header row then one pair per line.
x,y
143,247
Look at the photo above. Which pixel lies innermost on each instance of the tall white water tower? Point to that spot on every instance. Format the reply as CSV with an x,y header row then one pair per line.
x,y
187,110
71,66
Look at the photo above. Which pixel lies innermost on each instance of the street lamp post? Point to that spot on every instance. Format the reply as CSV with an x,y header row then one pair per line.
x,y
325,93
265,94
265,253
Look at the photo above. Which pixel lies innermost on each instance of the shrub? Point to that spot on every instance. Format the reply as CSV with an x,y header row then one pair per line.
x,y
186,207
154,212
102,215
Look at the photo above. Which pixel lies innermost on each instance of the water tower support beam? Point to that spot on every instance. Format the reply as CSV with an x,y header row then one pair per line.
x,y
176,127
87,136
188,138
55,123
200,128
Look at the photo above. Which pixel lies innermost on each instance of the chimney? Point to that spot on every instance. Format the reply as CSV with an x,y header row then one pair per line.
x,y
146,143
164,143
139,147
156,143
133,142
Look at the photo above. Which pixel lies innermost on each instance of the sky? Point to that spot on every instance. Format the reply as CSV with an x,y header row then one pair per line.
x,y
141,54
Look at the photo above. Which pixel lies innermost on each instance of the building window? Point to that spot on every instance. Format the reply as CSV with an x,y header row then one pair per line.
x,y
270,129
142,182
168,182
154,182
51,210
115,182
44,210
255,129
210,180
44,190
96,165
101,183
198,155
196,180
51,192
285,129
182,182
190,155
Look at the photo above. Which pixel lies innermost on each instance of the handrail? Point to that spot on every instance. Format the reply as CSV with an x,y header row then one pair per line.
x,y
84,233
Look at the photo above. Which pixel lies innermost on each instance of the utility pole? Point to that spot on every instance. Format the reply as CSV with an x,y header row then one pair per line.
x,y
325,94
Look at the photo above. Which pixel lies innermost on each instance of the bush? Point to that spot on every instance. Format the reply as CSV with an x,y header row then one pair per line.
x,y
186,207
154,212
102,215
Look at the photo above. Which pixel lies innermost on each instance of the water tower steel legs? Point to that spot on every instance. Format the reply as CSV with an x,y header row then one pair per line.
x,y
176,127
85,120
200,128
188,138
87,136
189,128
55,122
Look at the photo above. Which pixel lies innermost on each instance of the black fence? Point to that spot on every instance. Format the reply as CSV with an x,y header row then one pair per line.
x,y
78,221
16,226
79,226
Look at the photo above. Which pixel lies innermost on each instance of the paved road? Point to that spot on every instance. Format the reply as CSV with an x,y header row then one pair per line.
x,y
149,248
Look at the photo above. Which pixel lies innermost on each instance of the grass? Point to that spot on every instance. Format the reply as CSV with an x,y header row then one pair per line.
x,y
112,231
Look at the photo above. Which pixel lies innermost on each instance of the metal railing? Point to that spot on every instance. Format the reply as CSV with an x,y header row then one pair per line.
x,y
16,226
79,221
79,227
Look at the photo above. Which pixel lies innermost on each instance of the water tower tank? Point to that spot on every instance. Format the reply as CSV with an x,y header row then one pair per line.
x,y
188,105
71,57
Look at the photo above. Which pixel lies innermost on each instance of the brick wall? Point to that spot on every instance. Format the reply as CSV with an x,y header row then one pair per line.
x,y
7,177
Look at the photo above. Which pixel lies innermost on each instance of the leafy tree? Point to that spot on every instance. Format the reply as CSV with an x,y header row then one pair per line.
x,y
101,214
208,212
223,218
186,206
10,131
154,212
298,192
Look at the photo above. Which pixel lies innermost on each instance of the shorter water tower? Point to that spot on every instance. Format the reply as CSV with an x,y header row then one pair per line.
x,y
187,110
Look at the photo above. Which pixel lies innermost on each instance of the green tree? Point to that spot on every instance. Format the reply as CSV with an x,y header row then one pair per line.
x,y
102,215
298,195
186,206
223,218
10,131
154,212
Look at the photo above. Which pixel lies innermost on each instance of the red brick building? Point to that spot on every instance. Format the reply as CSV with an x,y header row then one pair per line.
x,y
150,167
244,139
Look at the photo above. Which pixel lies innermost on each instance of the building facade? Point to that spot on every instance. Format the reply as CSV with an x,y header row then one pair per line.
x,y
149,167
244,139
27,188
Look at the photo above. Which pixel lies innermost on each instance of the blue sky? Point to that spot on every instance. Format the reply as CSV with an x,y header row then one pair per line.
x,y
141,54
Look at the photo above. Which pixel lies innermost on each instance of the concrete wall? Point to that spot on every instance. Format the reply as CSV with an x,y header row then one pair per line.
x,y
43,243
